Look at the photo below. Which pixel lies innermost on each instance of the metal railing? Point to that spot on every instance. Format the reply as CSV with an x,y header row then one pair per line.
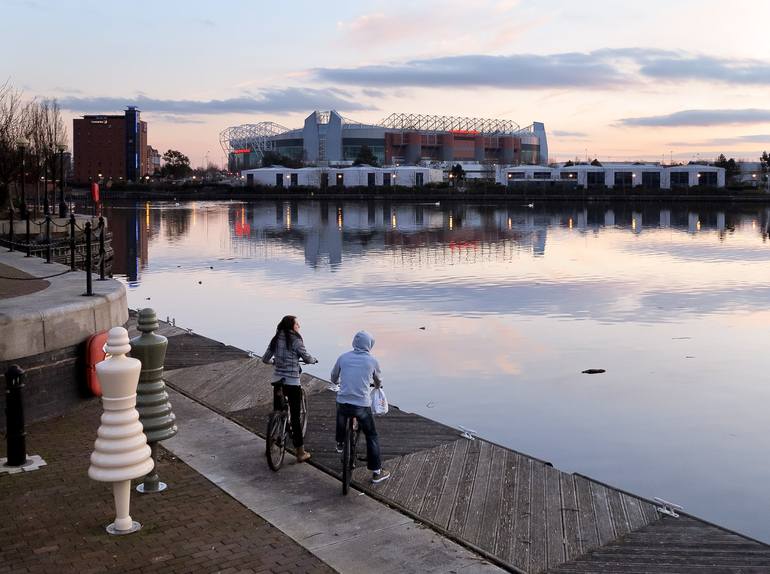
x,y
77,250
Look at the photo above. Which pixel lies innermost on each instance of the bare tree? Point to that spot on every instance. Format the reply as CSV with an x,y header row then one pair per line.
x,y
40,123
13,124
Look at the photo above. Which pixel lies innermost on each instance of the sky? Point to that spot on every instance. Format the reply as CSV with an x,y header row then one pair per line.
x,y
654,80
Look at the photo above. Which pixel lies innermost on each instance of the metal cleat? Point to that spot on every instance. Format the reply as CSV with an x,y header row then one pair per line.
x,y
467,433
667,507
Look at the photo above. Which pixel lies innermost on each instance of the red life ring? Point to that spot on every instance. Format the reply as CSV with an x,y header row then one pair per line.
x,y
95,354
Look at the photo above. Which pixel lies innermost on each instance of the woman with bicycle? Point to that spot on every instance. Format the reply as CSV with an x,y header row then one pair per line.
x,y
287,348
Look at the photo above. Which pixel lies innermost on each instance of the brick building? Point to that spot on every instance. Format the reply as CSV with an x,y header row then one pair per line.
x,y
110,147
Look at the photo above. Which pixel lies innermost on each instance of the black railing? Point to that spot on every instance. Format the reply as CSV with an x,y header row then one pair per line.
x,y
75,249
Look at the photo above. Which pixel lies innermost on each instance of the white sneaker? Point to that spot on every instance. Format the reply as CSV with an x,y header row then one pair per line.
x,y
333,388
380,476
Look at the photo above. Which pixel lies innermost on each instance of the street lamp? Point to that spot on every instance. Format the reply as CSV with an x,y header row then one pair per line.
x,y
47,155
62,203
23,144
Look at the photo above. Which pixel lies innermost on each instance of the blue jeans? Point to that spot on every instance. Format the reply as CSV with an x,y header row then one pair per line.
x,y
366,424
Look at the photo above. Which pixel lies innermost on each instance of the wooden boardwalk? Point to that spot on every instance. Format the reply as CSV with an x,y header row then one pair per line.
x,y
514,509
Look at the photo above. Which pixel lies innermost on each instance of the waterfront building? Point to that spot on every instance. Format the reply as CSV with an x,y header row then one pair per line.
x,y
110,147
153,161
355,176
328,139
615,175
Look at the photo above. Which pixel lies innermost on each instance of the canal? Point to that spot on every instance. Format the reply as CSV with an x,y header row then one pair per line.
x,y
485,316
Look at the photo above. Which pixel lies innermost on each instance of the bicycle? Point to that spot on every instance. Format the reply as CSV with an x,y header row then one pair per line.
x,y
352,433
279,428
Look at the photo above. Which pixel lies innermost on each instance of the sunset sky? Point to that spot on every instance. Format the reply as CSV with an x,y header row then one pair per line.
x,y
646,80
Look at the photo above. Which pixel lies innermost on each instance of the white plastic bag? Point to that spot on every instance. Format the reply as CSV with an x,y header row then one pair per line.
x,y
379,402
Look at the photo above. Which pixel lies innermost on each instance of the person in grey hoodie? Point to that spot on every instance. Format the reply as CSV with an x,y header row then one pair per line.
x,y
356,370
287,348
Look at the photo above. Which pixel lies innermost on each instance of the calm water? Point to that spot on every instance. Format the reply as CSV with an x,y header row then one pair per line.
x,y
485,316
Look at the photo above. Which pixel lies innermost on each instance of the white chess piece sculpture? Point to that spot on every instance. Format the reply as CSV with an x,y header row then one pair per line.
x,y
120,451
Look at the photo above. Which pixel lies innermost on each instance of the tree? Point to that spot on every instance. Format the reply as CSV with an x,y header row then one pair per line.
x,y
176,164
365,157
730,166
41,124
457,173
275,158
12,128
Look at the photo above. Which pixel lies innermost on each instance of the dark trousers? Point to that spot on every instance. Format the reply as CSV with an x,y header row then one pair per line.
x,y
294,395
366,424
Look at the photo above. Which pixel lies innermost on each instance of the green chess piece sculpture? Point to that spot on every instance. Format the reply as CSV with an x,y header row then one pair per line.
x,y
152,402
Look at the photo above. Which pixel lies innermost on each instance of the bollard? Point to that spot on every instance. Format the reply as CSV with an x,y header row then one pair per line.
x,y
72,242
89,286
48,238
29,242
120,451
152,402
101,249
10,230
16,437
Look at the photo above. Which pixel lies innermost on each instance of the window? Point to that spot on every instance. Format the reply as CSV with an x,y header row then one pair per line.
x,y
542,175
386,179
707,178
516,175
570,175
418,178
624,179
651,179
680,179
294,180
595,178
370,181
278,180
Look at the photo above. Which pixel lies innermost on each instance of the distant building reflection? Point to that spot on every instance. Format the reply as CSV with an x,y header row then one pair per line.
x,y
329,231
132,227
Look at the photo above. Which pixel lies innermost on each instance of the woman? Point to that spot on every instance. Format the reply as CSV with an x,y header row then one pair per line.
x,y
287,347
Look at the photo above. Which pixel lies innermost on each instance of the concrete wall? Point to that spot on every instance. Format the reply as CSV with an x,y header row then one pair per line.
x,y
45,332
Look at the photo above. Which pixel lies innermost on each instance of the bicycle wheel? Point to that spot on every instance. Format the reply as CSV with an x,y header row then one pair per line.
x,y
275,441
303,413
347,456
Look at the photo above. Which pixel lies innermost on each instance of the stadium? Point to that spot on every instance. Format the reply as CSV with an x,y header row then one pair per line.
x,y
327,138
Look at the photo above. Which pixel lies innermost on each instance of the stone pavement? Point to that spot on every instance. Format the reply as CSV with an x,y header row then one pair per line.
x,y
353,533
53,519
15,283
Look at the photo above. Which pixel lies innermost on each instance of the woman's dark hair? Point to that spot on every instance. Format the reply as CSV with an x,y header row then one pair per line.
x,y
286,326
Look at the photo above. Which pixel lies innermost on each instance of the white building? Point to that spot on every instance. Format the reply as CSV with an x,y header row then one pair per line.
x,y
617,175
358,176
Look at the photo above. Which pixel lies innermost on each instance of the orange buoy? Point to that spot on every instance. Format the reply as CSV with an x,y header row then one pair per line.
x,y
95,354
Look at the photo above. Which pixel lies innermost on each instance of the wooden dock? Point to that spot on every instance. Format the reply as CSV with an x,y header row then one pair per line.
x,y
516,510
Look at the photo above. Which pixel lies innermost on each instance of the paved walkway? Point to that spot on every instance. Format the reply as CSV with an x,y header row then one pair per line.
x,y
351,534
15,283
53,519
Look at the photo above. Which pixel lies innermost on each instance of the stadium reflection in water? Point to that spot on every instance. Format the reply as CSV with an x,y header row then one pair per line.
x,y
672,300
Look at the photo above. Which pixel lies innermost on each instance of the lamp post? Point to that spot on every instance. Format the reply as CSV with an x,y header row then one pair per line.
x,y
22,144
62,203
46,206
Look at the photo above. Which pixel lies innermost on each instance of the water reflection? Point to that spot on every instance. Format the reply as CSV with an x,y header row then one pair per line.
x,y
672,300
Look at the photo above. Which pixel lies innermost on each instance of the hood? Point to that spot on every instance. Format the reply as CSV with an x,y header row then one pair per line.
x,y
363,342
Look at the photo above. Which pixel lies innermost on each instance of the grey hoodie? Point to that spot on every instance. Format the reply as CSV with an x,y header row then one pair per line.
x,y
355,371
